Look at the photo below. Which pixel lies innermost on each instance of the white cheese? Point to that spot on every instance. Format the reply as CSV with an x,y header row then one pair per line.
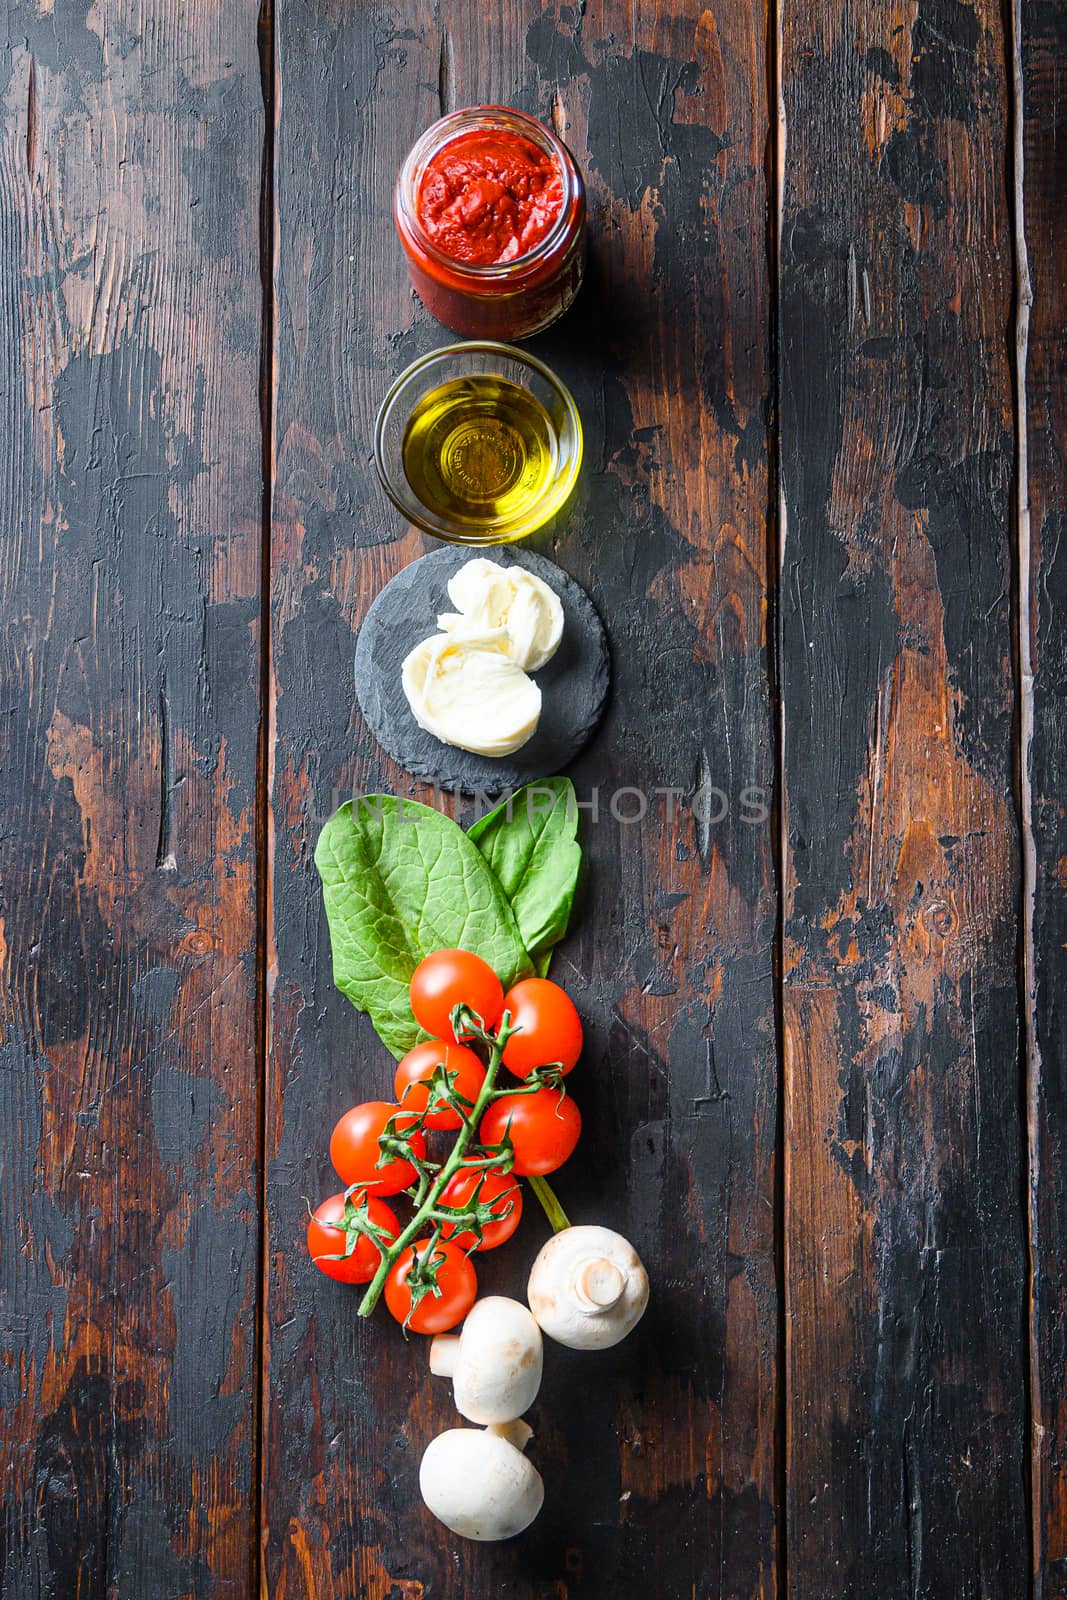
x,y
468,684
469,693
489,597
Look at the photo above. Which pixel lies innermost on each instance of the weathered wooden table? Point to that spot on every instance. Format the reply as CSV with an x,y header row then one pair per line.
x,y
821,364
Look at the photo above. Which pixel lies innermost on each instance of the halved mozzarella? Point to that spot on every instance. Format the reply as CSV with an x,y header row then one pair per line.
x,y
488,597
471,695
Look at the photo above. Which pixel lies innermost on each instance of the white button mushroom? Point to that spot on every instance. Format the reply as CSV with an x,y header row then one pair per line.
x,y
478,1482
587,1288
494,1363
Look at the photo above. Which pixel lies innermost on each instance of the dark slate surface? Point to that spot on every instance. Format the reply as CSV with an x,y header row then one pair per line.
x,y
574,684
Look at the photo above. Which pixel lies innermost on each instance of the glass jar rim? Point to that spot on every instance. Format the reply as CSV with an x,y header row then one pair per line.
x,y
436,136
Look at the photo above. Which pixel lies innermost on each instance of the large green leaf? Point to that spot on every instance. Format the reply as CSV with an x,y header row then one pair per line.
x,y
400,881
530,841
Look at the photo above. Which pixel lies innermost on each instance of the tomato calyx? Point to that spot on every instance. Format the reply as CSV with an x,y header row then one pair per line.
x,y
422,1276
396,1143
466,1024
500,1156
549,1076
355,1222
476,1215
443,1094
431,1286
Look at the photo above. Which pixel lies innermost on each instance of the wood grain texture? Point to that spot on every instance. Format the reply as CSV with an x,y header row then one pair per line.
x,y
659,1458
1041,36
906,1259
131,801
130,316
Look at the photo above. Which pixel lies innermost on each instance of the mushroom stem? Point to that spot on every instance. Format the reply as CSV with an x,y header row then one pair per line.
x,y
597,1285
495,1363
518,1433
587,1288
444,1351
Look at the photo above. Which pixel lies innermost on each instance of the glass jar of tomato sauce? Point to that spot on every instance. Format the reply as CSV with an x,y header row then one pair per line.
x,y
490,209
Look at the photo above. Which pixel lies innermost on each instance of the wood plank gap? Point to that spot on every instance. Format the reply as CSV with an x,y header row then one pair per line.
x,y
1040,107
776,147
265,39
1029,1044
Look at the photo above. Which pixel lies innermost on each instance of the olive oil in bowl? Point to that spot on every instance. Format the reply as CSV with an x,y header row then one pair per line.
x,y
480,451
478,443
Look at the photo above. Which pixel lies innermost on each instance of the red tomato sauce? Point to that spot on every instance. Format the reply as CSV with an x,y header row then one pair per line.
x,y
489,197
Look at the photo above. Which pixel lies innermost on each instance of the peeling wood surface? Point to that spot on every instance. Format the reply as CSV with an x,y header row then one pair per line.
x,y
666,1454
905,1226
130,545
1042,180
820,364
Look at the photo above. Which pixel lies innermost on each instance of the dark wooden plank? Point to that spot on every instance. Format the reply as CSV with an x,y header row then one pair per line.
x,y
1041,131
660,1458
130,540
906,1249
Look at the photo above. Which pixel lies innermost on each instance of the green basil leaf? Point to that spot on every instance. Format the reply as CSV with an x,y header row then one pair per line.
x,y
530,841
400,881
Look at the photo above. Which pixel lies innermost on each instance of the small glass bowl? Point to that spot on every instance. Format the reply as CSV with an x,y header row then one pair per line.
x,y
464,364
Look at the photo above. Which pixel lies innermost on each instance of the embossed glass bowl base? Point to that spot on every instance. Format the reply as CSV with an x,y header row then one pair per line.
x,y
478,443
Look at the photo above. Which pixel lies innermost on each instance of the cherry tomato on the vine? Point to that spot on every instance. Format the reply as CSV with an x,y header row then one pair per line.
x,y
544,1128
355,1152
450,978
413,1074
550,1028
327,1237
435,1313
497,1189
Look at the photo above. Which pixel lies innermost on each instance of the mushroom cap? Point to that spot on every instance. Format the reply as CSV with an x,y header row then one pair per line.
x,y
588,1288
479,1485
496,1371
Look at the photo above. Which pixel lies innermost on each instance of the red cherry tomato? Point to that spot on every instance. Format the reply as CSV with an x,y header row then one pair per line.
x,y
550,1028
413,1074
544,1128
355,1152
497,1189
435,1313
328,1236
450,978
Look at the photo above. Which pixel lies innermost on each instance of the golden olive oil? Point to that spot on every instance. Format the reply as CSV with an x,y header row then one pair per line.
x,y
480,451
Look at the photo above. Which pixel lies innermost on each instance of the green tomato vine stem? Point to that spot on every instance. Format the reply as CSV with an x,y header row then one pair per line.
x,y
430,1185
428,1205
557,1217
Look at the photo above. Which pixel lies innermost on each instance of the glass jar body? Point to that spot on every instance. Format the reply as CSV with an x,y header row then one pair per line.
x,y
503,299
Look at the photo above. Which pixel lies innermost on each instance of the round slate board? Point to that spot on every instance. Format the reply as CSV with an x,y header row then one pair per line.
x,y
574,684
